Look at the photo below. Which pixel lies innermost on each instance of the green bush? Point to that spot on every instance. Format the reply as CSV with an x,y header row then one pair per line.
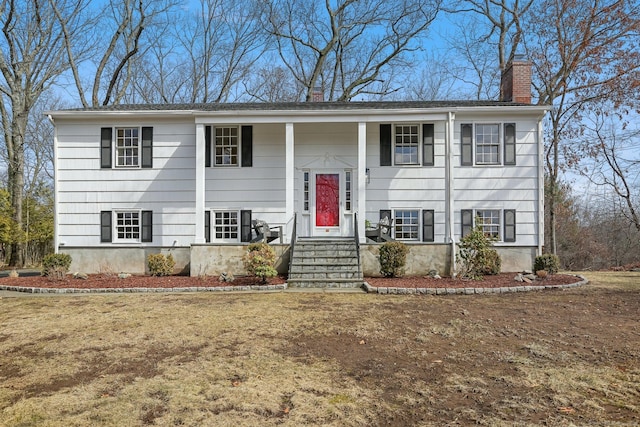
x,y
259,261
547,262
55,266
393,257
160,265
477,257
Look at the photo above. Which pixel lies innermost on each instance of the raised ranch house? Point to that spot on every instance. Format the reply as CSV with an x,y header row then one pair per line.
x,y
200,181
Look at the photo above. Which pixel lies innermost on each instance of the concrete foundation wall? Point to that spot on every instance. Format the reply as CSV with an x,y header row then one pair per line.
x,y
122,259
517,258
420,259
211,260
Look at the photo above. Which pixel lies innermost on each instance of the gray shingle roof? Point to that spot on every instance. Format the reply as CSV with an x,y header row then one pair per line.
x,y
301,106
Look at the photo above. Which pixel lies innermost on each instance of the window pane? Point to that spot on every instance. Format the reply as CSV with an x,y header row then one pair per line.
x,y
406,148
406,225
127,147
226,225
128,225
487,144
490,222
226,146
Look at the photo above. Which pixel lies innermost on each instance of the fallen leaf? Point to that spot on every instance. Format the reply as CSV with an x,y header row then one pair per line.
x,y
437,361
286,410
566,409
362,342
235,383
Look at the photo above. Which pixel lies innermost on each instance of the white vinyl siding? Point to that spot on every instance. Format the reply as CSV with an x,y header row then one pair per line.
x,y
85,189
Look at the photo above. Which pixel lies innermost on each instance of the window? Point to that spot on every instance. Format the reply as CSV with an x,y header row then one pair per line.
x,y
306,191
226,146
406,225
132,147
488,144
348,190
490,221
225,225
126,226
406,145
127,146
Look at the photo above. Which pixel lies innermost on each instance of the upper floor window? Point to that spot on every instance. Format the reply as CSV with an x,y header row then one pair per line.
x,y
488,144
226,146
132,147
406,145
127,147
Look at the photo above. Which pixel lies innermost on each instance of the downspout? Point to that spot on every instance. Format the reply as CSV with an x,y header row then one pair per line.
x,y
540,186
56,227
449,189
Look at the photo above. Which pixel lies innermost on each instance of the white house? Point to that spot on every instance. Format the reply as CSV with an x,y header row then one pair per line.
x,y
188,179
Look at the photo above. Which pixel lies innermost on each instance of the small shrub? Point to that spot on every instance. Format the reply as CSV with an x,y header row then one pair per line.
x,y
259,261
548,262
160,265
477,257
55,266
393,257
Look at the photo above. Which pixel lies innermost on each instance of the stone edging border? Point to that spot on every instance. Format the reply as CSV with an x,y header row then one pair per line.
x,y
468,291
33,290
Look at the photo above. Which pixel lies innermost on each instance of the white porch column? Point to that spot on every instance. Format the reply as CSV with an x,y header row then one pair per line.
x,y
289,173
200,183
362,179
451,218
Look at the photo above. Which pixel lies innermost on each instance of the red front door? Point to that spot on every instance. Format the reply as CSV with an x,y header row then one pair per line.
x,y
328,200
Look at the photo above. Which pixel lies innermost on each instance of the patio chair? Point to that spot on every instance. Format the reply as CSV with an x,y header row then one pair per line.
x,y
382,231
265,233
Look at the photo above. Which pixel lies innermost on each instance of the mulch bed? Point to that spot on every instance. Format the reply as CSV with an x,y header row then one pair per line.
x,y
107,281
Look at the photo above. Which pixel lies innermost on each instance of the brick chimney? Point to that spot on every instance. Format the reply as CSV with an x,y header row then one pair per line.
x,y
515,85
318,94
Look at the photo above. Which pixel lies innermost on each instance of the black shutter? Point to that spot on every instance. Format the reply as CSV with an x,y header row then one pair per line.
x,y
105,226
467,221
147,147
510,144
385,145
207,226
247,146
207,146
509,225
105,148
428,225
147,226
245,226
466,145
428,144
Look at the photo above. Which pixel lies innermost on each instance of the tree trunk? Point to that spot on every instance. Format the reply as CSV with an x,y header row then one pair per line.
x,y
16,190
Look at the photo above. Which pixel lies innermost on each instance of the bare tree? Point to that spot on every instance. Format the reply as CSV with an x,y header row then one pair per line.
x,y
346,47
616,163
32,52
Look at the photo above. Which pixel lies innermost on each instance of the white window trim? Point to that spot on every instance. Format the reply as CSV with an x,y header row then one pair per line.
x,y
114,141
213,226
238,146
393,144
500,237
418,238
115,238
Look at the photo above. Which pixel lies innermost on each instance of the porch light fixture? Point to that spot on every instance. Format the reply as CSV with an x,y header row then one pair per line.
x,y
367,173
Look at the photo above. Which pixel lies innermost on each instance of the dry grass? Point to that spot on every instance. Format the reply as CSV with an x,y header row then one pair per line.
x,y
542,358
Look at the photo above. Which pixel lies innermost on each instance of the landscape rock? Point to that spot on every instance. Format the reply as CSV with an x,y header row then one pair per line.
x,y
124,275
81,276
519,278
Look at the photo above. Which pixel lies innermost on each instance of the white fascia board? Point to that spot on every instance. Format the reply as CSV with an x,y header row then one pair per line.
x,y
337,116
87,115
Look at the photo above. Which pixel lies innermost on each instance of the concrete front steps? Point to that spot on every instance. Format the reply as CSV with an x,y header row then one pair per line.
x,y
325,263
